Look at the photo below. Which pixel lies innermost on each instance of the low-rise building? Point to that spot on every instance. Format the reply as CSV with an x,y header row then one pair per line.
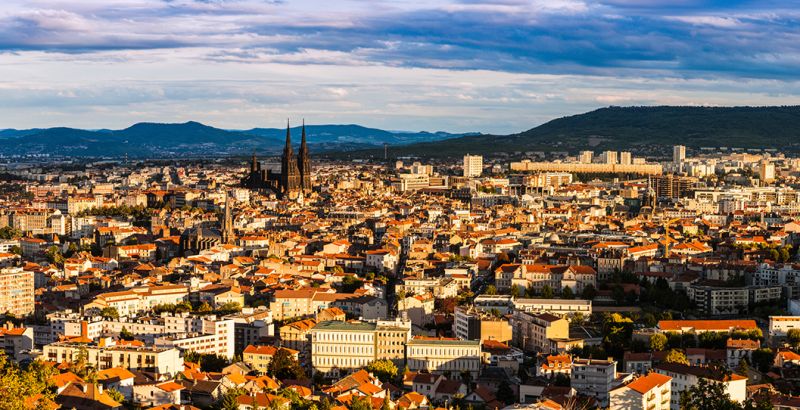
x,y
439,355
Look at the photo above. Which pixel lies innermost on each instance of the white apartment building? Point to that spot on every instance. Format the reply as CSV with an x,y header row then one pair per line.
x,y
678,154
106,355
684,377
779,326
560,307
473,165
651,392
439,355
339,348
16,291
130,302
594,378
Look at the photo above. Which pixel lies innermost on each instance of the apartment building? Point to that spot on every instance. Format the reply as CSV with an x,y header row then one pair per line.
x,y
342,347
439,355
685,376
560,307
538,332
259,357
105,355
302,303
700,326
16,291
557,277
297,335
473,324
594,378
473,166
779,326
724,300
650,392
131,302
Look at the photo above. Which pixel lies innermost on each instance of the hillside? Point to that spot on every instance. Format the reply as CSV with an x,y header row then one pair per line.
x,y
193,138
640,128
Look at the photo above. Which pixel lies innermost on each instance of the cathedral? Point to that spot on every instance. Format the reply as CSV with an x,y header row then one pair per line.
x,y
295,175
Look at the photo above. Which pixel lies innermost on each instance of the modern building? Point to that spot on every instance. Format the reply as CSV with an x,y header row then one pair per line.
x,y
678,154
685,376
473,324
106,354
16,291
594,378
537,332
473,165
650,392
439,355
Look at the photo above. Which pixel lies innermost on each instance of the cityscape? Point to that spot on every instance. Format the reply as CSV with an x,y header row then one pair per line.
x,y
452,205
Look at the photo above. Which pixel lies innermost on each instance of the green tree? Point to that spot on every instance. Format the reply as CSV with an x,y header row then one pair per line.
x,y
658,342
547,292
505,394
784,255
350,283
230,400
515,291
707,394
490,290
204,308
17,385
54,256
16,250
360,403
793,337
228,308
589,292
385,370
115,395
125,334
676,356
762,359
284,366
567,293
109,313
743,368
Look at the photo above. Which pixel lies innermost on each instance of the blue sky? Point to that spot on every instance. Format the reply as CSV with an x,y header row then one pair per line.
x,y
463,65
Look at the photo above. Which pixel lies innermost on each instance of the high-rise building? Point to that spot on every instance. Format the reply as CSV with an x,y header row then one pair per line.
x,y
610,157
16,291
586,157
625,158
473,165
766,171
678,154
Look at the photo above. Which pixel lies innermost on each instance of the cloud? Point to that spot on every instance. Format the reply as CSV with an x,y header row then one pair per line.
x,y
244,60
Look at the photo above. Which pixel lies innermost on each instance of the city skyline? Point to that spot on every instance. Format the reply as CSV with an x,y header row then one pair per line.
x,y
494,67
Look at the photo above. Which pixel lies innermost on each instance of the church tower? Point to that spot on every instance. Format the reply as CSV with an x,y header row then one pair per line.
x,y
227,222
304,162
290,173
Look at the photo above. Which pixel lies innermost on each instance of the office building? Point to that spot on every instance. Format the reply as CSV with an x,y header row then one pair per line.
x,y
473,165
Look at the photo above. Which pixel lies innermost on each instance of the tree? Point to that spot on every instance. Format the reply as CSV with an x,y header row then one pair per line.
x,y
230,400
228,308
385,370
567,293
360,403
589,292
505,394
109,313
515,291
204,308
743,368
284,366
774,255
490,290
707,394
17,385
350,283
54,256
547,292
125,334
762,359
115,395
793,337
784,255
676,356
658,342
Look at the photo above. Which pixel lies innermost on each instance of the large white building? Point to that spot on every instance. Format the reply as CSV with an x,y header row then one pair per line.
x,y
684,377
440,355
106,355
473,165
678,154
339,348
594,378
651,392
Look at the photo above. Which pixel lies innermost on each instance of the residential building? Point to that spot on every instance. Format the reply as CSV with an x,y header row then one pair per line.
x,y
439,355
650,392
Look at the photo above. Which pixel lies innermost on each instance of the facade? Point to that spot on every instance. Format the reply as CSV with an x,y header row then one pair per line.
x,y
538,332
295,175
16,291
163,361
473,166
594,378
439,355
473,324
684,377
339,348
560,307
650,392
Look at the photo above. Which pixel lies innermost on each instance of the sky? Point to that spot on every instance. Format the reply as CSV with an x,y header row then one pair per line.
x,y
460,65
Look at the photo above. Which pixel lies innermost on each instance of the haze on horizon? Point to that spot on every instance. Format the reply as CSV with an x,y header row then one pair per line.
x,y
461,65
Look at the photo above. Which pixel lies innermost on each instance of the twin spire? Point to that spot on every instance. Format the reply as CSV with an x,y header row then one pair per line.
x,y
288,147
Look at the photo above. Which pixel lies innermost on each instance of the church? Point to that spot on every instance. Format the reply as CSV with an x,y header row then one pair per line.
x,y
295,175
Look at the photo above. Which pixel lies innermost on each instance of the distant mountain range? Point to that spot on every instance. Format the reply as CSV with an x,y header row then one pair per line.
x,y
193,138
638,128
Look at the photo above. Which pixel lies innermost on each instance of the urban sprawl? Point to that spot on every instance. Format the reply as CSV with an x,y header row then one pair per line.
x,y
596,280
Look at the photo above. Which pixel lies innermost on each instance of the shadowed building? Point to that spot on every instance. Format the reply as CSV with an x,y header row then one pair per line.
x,y
295,175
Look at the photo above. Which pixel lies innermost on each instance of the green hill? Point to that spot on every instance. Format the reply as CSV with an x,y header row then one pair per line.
x,y
637,128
